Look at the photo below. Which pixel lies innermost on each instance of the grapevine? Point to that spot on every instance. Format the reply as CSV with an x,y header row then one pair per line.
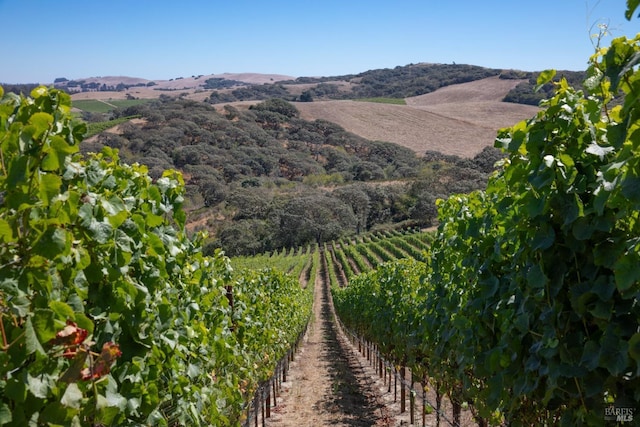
x,y
527,309
110,314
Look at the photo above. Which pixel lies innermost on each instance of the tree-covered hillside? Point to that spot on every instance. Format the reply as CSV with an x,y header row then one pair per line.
x,y
263,178
399,82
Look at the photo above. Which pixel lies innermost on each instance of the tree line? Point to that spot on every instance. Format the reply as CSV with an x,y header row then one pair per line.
x,y
399,82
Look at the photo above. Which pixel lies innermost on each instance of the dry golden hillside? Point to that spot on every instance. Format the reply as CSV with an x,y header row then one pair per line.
x,y
193,86
460,119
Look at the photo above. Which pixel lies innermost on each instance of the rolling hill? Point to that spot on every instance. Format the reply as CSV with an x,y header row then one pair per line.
x,y
261,153
457,119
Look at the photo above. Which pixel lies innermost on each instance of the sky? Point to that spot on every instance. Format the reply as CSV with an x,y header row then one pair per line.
x,y
160,40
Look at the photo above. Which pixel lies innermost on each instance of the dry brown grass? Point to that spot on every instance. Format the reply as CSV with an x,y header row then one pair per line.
x,y
192,86
460,119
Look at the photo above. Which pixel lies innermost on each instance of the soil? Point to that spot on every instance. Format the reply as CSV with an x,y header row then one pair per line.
x,y
327,384
331,382
459,119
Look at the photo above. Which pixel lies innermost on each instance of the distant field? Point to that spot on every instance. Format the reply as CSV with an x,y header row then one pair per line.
x,y
97,127
124,103
93,106
104,106
460,119
395,101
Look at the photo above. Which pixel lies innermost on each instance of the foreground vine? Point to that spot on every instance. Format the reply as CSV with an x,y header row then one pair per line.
x,y
527,309
109,313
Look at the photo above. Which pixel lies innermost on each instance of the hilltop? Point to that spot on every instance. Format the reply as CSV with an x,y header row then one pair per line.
x,y
123,87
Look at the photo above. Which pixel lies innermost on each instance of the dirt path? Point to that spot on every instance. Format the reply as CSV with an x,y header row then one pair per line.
x,y
332,383
327,383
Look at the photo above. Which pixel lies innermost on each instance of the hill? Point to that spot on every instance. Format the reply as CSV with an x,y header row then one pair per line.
x,y
265,170
452,118
262,177
459,120
122,87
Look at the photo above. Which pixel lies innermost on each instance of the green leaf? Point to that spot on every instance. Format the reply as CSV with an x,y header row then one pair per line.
x,y
544,237
631,186
106,414
39,92
54,242
534,205
50,185
544,78
44,325
582,228
153,220
63,310
616,59
613,353
16,389
5,412
55,158
72,396
81,257
193,371
118,219
113,206
180,216
116,400
155,244
62,147
599,151
604,287
84,322
79,131
632,5
626,272
39,386
536,278
55,413
6,232
101,231
41,122
50,163
31,339
17,172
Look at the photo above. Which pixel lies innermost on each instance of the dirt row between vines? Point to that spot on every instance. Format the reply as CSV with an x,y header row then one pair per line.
x,y
331,384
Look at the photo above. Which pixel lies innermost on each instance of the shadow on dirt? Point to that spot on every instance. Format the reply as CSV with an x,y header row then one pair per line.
x,y
348,393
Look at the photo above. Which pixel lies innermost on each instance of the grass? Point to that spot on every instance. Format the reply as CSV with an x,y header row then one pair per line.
x,y
97,127
92,106
395,101
124,103
98,106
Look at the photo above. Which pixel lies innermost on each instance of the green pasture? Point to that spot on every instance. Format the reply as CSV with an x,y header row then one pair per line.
x,y
97,127
396,101
104,106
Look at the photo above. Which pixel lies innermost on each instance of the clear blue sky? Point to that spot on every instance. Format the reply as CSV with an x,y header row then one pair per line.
x,y
158,39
